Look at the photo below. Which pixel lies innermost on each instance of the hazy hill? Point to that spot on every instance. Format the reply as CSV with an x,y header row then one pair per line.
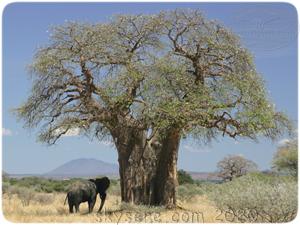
x,y
85,166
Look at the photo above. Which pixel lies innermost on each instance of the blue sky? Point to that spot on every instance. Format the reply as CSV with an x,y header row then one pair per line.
x,y
24,26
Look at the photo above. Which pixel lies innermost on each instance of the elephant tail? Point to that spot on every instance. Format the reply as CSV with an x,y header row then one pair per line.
x,y
67,197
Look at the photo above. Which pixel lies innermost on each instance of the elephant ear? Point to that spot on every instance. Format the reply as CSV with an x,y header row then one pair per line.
x,y
102,184
93,181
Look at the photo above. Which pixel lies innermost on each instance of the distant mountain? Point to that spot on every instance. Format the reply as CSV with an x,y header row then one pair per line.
x,y
84,166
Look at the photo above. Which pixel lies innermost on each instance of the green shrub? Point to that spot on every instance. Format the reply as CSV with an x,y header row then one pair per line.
x,y
13,181
114,182
5,187
184,178
198,182
188,193
256,198
5,180
58,187
67,188
48,189
38,189
115,190
25,185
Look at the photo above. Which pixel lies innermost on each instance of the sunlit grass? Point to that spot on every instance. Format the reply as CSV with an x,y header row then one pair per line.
x,y
56,212
196,212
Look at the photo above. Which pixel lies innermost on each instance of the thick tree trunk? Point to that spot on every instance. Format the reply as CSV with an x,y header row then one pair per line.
x,y
148,168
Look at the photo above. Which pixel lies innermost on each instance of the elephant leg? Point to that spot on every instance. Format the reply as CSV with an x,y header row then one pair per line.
x,y
77,208
91,206
103,197
71,206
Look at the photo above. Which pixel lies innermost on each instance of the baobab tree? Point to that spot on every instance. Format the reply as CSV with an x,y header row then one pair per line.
x,y
233,166
145,82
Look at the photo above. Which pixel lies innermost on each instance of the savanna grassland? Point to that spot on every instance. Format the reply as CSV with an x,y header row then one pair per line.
x,y
256,198
56,212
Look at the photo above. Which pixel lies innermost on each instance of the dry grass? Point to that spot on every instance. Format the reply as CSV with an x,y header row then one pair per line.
x,y
57,212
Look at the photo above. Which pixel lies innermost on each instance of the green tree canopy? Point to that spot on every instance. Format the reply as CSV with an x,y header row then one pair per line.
x,y
184,178
162,69
286,157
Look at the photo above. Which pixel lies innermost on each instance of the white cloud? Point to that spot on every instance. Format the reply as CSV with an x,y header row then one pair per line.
x,y
283,141
297,130
236,143
6,132
106,143
67,148
17,133
195,150
70,133
241,155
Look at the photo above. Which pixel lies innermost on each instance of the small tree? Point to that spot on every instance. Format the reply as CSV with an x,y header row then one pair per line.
x,y
184,178
233,166
3,189
45,199
58,187
5,175
286,157
26,195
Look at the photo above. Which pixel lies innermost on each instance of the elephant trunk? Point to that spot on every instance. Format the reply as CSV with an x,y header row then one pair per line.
x,y
103,197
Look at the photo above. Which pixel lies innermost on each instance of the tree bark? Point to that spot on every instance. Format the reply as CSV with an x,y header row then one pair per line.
x,y
148,168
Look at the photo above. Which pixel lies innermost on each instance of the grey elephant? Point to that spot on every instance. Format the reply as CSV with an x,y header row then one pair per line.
x,y
86,191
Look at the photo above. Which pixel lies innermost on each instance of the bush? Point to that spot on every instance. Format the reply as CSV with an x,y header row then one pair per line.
x,y
58,187
115,189
188,193
5,187
184,178
24,185
5,180
24,194
45,199
48,188
67,188
38,189
114,182
13,181
256,198
198,182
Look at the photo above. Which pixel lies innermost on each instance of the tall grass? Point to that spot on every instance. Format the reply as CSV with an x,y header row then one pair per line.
x,y
246,199
54,211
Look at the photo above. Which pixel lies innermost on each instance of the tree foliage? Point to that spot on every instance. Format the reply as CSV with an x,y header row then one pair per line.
x,y
233,166
286,157
5,187
153,71
184,178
